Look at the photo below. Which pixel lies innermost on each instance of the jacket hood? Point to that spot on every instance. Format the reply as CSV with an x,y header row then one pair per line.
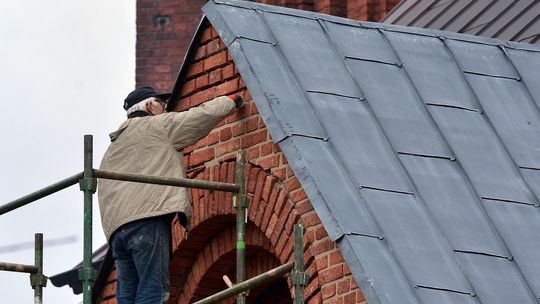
x,y
114,135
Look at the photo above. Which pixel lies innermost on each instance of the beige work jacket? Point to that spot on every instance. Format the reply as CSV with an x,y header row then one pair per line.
x,y
153,145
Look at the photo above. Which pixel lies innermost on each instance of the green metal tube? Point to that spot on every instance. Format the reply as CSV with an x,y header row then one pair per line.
x,y
18,267
70,181
239,288
88,185
240,204
168,181
299,279
38,261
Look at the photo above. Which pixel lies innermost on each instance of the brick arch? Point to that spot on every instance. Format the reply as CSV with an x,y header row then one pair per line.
x,y
271,218
218,258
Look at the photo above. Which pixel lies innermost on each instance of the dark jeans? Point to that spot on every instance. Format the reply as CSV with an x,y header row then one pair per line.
x,y
141,253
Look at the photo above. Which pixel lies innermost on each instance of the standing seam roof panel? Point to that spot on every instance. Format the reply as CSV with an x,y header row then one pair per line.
x,y
375,185
516,20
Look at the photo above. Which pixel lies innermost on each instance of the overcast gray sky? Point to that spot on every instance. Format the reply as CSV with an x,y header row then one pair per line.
x,y
65,68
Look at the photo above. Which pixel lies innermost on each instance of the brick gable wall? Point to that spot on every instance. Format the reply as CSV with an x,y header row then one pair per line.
x,y
164,31
277,200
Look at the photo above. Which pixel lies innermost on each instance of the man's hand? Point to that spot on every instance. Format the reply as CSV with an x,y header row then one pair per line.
x,y
238,101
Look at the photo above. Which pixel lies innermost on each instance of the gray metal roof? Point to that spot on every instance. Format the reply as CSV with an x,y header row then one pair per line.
x,y
516,20
419,149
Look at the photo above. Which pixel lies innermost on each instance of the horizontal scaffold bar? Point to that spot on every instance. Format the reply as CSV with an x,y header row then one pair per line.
x,y
248,284
18,267
34,196
167,181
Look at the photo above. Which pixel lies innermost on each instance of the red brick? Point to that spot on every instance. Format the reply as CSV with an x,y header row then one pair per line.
x,y
227,87
200,53
337,300
228,72
212,138
213,33
280,227
252,124
296,195
195,69
320,232
206,35
287,251
225,134
336,258
282,242
214,76
201,81
252,179
227,147
183,103
266,148
214,46
188,88
215,61
269,162
241,84
344,286
359,295
331,274
292,184
322,262
252,153
328,291
200,97
109,290
254,138
267,188
281,174
320,247
272,226
199,157
253,108
350,298
238,129
265,217
310,219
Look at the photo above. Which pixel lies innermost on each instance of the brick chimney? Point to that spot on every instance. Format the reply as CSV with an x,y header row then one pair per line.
x,y
165,29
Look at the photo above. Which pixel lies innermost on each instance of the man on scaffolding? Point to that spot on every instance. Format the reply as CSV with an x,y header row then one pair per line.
x,y
137,217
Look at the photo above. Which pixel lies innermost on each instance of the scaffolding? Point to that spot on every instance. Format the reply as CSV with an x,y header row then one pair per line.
x,y
88,184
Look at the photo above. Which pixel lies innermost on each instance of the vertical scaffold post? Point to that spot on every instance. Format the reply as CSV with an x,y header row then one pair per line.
x,y
299,277
88,184
38,280
240,203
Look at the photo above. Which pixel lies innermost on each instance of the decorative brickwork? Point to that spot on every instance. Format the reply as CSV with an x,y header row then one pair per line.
x,y
277,200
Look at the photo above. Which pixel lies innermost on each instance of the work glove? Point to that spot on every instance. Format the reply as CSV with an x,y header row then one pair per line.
x,y
238,101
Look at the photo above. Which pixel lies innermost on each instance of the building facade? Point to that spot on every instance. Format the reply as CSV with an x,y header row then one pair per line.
x,y
165,30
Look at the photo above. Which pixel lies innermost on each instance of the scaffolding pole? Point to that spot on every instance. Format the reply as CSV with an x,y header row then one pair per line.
x,y
88,184
34,196
241,203
37,279
298,275
166,181
240,288
87,274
